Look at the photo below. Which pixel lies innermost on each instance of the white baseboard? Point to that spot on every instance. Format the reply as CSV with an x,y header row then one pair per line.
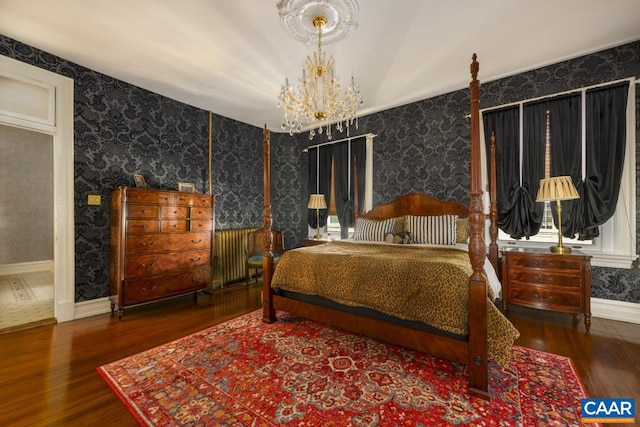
x,y
615,310
26,267
92,307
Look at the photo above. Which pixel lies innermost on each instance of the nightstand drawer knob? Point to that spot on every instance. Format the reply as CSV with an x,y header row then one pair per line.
x,y
542,297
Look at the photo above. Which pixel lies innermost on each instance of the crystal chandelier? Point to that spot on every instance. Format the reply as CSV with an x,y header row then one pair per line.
x,y
318,101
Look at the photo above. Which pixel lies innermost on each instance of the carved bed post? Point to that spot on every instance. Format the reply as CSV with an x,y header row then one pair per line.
x,y
493,206
268,312
478,367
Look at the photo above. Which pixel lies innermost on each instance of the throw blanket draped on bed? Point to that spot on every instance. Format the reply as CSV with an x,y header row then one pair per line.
x,y
412,283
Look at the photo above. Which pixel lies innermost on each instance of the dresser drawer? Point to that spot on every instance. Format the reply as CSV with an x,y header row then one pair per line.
x,y
547,298
142,226
142,211
152,288
146,196
185,199
168,225
201,213
144,244
173,212
148,265
568,278
560,262
201,225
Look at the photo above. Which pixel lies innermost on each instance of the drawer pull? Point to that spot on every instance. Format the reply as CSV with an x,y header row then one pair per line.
x,y
148,244
148,265
196,241
153,288
549,298
194,279
196,259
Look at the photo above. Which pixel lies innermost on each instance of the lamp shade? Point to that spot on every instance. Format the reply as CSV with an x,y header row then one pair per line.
x,y
316,201
557,188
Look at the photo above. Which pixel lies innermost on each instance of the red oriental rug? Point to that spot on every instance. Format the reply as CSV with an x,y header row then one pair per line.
x,y
298,372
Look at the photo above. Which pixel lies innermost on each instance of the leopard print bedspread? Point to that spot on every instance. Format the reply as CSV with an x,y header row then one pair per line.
x,y
412,283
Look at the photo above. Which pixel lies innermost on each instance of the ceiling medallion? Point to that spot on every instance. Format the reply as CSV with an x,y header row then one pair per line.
x,y
317,100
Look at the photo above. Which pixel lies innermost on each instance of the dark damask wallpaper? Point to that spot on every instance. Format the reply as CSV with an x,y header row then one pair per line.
x,y
119,130
423,146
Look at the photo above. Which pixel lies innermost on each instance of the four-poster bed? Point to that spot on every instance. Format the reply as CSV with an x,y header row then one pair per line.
x,y
472,344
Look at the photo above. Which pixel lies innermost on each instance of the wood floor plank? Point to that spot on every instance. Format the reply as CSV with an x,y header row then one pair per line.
x,y
48,377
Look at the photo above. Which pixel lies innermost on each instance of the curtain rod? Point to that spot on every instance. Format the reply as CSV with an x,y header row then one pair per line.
x,y
629,79
339,140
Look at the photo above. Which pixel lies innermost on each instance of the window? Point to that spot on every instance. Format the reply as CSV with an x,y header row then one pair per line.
x,y
615,246
317,162
333,225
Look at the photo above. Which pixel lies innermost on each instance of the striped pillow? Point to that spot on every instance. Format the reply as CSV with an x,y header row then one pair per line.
x,y
373,231
435,230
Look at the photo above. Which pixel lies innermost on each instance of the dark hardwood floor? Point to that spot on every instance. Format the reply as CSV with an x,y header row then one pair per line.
x,y
48,378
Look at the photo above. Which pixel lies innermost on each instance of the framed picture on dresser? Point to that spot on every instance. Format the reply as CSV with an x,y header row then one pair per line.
x,y
139,180
187,187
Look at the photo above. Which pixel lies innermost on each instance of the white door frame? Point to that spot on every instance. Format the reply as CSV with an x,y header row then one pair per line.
x,y
63,186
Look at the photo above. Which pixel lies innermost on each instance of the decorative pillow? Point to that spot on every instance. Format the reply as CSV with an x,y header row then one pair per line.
x,y
435,230
463,229
401,238
399,224
373,231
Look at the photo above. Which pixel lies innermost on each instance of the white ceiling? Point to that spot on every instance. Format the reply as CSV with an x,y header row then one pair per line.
x,y
231,56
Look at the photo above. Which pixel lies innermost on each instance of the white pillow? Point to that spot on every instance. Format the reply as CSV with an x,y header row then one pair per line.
x,y
434,230
372,230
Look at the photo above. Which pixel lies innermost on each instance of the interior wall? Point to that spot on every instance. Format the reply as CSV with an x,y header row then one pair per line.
x,y
26,196
121,129
424,146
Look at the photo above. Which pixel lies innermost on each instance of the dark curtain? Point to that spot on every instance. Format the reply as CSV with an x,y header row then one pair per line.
x,y
344,199
605,150
566,155
343,155
319,181
518,215
359,151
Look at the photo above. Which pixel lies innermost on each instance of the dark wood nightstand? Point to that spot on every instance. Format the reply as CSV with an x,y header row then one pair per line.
x,y
310,241
540,279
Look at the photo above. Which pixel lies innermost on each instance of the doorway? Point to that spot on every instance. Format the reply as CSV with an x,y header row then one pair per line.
x,y
26,228
36,186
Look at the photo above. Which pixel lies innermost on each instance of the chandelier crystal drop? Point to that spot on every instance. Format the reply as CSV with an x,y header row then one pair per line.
x,y
318,101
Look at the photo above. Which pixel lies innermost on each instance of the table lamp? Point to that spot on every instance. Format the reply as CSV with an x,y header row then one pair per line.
x,y
317,202
557,188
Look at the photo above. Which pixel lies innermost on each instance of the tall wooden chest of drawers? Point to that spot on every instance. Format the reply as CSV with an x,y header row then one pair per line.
x,y
161,245
541,279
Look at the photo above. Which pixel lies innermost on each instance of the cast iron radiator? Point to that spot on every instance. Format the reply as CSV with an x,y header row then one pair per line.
x,y
230,262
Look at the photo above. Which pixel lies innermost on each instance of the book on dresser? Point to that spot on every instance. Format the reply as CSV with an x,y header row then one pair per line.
x,y
161,245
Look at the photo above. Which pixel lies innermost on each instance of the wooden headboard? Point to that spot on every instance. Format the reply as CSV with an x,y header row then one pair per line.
x,y
416,204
